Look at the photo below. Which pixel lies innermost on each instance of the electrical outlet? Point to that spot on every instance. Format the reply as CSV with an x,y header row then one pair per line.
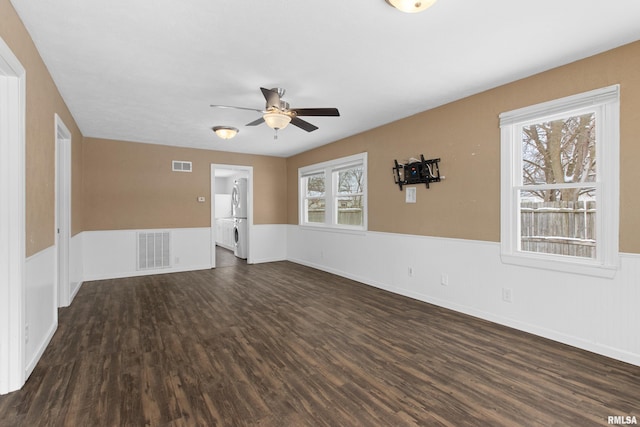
x,y
444,279
410,271
26,333
177,260
321,254
506,295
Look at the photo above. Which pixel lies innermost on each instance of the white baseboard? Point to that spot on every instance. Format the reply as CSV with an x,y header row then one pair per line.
x,y
75,287
40,349
76,265
139,273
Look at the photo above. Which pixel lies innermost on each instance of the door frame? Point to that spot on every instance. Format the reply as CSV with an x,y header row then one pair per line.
x,y
62,212
12,220
212,243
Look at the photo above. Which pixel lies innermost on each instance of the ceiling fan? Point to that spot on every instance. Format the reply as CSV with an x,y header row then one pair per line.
x,y
277,114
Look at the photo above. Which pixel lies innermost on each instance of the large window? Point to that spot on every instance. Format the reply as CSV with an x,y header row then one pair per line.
x,y
333,194
560,183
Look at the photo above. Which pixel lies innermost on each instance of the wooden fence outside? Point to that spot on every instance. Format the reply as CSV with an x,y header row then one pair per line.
x,y
346,216
562,228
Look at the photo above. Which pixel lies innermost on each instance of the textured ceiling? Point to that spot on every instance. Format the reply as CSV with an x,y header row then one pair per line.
x,y
147,70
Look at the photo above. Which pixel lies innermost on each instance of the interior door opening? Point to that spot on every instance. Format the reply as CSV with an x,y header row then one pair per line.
x,y
231,215
63,211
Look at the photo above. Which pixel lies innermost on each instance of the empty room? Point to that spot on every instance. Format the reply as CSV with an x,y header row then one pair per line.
x,y
337,213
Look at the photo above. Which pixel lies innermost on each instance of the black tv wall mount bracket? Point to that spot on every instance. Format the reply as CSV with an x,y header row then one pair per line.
x,y
417,172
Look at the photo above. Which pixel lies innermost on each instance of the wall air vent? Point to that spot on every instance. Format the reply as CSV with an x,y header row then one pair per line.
x,y
154,250
180,166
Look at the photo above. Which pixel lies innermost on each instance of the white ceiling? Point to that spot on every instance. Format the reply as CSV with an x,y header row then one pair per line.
x,y
147,70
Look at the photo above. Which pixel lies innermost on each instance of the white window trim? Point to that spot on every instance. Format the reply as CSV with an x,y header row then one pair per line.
x,y
329,168
606,103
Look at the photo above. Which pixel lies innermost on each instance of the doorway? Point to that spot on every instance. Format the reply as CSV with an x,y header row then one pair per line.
x,y
63,211
230,231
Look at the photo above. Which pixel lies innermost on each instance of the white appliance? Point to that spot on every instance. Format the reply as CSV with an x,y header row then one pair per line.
x,y
239,211
239,198
240,237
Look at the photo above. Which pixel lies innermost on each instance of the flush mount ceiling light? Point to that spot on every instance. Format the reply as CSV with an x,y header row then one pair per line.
x,y
276,120
411,6
225,132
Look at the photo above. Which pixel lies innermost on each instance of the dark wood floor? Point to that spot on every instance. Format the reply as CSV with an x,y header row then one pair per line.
x,y
284,345
226,258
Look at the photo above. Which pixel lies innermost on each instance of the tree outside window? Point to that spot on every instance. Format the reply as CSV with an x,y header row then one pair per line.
x,y
560,183
349,196
559,220
315,198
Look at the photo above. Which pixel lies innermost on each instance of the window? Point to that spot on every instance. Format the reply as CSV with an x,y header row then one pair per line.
x,y
333,194
315,201
560,183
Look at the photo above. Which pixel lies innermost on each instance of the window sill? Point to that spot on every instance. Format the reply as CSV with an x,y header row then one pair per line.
x,y
577,266
333,229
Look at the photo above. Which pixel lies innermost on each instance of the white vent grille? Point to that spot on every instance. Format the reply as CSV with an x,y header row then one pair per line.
x,y
180,166
153,250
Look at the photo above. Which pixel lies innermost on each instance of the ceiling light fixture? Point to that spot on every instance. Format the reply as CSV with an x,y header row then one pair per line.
x,y
225,132
276,120
411,6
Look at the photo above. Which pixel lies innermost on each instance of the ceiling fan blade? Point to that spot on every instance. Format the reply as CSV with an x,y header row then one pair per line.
x,y
303,124
333,112
236,108
272,97
256,122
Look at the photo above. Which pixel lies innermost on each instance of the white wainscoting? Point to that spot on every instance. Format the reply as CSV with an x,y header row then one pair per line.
x,y
268,243
76,265
113,253
595,314
41,311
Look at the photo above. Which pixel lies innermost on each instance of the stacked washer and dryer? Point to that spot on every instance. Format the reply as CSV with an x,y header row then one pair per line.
x,y
239,212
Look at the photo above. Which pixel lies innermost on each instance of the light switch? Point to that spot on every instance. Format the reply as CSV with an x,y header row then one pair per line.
x,y
411,195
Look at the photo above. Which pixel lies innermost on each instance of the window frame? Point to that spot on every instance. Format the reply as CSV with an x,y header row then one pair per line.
x,y
305,197
331,169
605,103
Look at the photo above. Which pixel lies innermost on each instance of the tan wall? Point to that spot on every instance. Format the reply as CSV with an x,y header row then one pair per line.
x,y
119,193
130,185
465,134
43,101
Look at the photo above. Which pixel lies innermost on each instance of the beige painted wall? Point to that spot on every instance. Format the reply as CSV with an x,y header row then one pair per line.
x,y
43,102
465,134
130,185
125,185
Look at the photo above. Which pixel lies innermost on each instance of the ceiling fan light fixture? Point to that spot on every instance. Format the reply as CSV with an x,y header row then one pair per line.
x,y
411,6
276,120
225,132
